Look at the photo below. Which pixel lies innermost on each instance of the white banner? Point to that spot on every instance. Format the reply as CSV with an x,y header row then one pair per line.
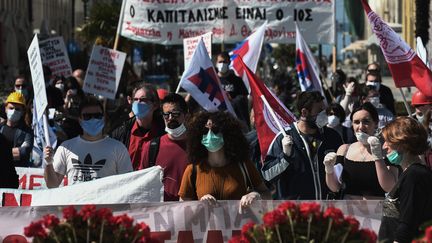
x,y
190,44
191,221
104,71
37,75
134,187
170,21
33,179
54,55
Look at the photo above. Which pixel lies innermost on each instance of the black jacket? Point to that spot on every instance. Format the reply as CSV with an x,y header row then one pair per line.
x,y
122,133
8,175
294,176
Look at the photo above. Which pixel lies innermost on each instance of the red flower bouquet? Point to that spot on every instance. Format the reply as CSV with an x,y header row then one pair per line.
x,y
306,222
88,225
426,230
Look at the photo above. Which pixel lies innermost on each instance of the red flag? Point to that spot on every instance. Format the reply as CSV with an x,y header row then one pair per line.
x,y
405,66
265,125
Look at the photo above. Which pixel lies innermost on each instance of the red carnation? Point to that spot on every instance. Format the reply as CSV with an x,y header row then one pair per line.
x,y
50,220
274,217
35,229
69,213
123,220
104,214
335,214
88,211
368,235
312,208
428,234
288,206
144,228
353,223
248,227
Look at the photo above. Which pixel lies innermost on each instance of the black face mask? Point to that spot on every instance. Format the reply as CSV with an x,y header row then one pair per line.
x,y
173,124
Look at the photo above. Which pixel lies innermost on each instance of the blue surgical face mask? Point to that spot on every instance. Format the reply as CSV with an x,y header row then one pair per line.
x,y
92,127
394,157
140,109
213,142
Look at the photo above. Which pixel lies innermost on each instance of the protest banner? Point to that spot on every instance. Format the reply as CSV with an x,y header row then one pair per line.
x,y
134,187
54,55
33,179
37,75
169,22
190,44
104,72
191,221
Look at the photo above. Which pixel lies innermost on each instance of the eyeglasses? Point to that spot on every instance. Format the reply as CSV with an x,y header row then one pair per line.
x,y
174,114
143,100
88,116
373,70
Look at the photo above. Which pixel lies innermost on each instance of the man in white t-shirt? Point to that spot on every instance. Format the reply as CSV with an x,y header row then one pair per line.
x,y
89,156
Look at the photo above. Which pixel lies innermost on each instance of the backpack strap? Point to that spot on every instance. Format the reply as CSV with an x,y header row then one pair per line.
x,y
153,151
248,182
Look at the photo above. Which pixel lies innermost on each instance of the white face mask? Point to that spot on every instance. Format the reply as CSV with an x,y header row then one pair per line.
x,y
321,119
222,67
176,132
60,87
375,101
13,115
333,121
362,137
375,84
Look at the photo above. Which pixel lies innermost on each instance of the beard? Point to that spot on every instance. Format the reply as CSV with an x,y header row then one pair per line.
x,y
173,124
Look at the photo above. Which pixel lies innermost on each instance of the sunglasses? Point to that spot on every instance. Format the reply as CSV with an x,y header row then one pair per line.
x,y
19,85
88,116
174,114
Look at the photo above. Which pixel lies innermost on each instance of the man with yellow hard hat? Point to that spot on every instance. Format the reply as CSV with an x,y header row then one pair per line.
x,y
18,135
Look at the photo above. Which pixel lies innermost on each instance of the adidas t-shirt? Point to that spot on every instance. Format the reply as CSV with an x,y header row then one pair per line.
x,y
83,160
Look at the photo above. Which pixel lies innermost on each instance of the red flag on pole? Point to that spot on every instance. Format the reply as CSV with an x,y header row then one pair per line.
x,y
405,66
265,125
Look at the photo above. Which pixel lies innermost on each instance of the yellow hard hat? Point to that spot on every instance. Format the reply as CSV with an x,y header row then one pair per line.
x,y
16,98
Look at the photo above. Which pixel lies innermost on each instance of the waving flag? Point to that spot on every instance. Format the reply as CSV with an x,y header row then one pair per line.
x,y
405,66
201,81
266,126
307,68
249,50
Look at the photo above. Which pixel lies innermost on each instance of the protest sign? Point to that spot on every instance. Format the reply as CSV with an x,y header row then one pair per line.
x,y
134,187
54,55
170,21
104,71
190,44
38,79
192,221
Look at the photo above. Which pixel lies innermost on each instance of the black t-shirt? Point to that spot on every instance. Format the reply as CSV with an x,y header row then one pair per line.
x,y
233,85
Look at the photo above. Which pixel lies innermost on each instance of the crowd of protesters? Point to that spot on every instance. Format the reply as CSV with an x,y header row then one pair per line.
x,y
352,147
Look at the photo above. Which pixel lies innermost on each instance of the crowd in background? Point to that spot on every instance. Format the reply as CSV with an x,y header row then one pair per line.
x,y
350,144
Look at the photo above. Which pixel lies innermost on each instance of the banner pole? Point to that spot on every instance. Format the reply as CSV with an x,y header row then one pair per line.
x,y
407,107
117,37
273,115
46,132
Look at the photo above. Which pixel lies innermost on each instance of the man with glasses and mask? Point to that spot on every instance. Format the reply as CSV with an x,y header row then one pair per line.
x,y
294,163
373,78
145,125
169,150
89,156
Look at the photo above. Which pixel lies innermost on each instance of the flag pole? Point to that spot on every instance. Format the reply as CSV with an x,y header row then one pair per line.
x,y
117,37
407,107
273,115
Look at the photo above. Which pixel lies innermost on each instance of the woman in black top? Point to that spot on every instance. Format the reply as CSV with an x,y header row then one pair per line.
x,y
364,175
409,203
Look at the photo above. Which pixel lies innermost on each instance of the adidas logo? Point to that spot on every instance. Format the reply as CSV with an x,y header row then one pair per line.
x,y
88,165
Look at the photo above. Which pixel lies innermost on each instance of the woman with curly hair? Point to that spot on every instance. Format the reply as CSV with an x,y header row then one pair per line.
x,y
220,168
409,203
